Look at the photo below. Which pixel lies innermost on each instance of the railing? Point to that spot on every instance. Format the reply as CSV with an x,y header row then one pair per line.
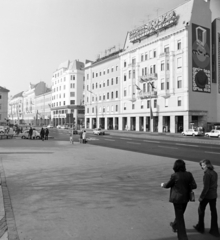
x,y
165,54
148,77
144,95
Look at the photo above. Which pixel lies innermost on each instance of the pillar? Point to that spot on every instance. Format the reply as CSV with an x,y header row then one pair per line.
x,y
160,123
172,124
137,127
120,123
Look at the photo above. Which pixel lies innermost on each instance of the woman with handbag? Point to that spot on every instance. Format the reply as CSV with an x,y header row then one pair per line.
x,y
181,184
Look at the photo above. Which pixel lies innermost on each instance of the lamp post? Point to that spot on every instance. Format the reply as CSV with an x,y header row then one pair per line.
x,y
96,107
151,112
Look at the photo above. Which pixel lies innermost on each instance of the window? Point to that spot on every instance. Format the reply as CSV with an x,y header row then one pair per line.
x,y
179,101
107,95
166,102
168,84
142,71
93,110
178,45
116,82
146,56
142,105
64,103
0,96
72,101
179,82
162,66
87,76
148,103
96,74
103,72
155,53
154,68
87,110
112,81
116,94
125,92
93,86
116,68
179,62
112,69
145,71
125,63
168,66
107,70
155,103
72,94
116,108
107,82
166,49
144,87
103,96
133,106
112,95
108,109
100,98
64,95
96,85
72,77
93,75
125,77
133,74
124,106
129,74
151,54
112,108
103,84
162,84
100,74
142,57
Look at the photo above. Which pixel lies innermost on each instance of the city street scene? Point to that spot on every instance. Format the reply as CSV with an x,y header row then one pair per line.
x,y
110,120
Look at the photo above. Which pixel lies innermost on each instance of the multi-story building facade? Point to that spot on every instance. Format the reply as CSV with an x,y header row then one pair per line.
x,y
166,81
102,95
43,108
3,105
15,108
67,94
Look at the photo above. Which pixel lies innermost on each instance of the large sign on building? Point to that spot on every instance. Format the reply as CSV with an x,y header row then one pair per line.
x,y
201,74
153,27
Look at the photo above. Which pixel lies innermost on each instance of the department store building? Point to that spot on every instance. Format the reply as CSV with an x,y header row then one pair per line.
x,y
168,73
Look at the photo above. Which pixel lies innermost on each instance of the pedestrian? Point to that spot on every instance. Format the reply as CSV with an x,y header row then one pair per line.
x,y
80,136
30,132
84,136
46,133
208,195
42,133
181,184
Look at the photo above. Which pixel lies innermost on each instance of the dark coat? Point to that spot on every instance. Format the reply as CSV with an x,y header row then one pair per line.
x,y
181,184
42,132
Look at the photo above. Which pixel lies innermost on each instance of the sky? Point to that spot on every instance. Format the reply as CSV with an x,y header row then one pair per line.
x,y
38,35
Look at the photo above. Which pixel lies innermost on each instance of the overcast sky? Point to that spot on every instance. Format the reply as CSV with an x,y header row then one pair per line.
x,y
37,35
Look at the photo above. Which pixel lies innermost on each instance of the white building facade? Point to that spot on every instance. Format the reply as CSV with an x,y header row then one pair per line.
x,y
67,94
3,105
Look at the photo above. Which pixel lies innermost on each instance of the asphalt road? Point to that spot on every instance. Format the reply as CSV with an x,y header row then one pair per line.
x,y
188,150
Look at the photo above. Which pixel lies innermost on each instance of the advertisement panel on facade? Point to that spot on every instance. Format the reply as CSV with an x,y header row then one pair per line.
x,y
201,74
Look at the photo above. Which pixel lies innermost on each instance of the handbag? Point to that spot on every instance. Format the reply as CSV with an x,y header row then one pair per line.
x,y
192,196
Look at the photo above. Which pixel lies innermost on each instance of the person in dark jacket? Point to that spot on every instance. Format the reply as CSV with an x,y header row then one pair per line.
x,y
181,184
42,133
208,195
30,132
46,133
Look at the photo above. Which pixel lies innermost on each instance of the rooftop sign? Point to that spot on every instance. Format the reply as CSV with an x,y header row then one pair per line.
x,y
167,20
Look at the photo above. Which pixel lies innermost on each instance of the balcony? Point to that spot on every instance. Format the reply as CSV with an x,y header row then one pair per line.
x,y
165,94
148,77
165,54
133,65
144,95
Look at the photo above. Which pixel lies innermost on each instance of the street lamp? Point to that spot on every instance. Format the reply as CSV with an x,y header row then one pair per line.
x,y
96,107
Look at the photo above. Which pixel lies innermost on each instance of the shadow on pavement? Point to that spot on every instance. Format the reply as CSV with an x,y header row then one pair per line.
x,y
192,235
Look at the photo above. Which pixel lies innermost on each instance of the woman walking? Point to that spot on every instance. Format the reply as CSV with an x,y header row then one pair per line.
x,y
181,183
42,133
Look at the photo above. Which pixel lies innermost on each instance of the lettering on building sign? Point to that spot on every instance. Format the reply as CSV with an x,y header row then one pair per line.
x,y
201,74
153,27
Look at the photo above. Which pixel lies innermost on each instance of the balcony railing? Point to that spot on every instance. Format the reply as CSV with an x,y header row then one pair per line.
x,y
148,77
165,54
144,95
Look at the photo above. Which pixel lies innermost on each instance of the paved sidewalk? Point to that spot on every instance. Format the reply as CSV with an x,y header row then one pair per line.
x,y
86,192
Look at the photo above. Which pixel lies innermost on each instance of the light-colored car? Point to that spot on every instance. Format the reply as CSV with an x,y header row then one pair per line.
x,y
64,127
25,134
2,129
98,131
213,133
58,126
50,126
192,132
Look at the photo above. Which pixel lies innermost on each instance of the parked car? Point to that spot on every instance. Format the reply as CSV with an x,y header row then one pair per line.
x,y
2,129
98,131
213,133
64,127
50,126
58,126
25,134
192,132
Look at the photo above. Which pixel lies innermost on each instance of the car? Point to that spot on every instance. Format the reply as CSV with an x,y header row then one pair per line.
x,y
50,126
192,132
58,126
25,134
213,133
98,131
2,129
64,127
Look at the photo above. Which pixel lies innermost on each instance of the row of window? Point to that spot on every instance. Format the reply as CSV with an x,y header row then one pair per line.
x,y
58,104
105,109
72,77
96,85
72,94
97,74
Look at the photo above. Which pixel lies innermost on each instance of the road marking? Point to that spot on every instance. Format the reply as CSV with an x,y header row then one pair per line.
x,y
126,138
167,147
133,143
213,152
151,141
109,139
182,144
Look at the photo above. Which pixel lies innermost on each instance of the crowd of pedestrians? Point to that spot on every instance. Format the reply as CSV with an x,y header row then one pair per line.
x,y
181,185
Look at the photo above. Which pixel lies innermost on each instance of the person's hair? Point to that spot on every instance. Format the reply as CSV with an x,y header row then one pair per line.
x,y
207,163
179,166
